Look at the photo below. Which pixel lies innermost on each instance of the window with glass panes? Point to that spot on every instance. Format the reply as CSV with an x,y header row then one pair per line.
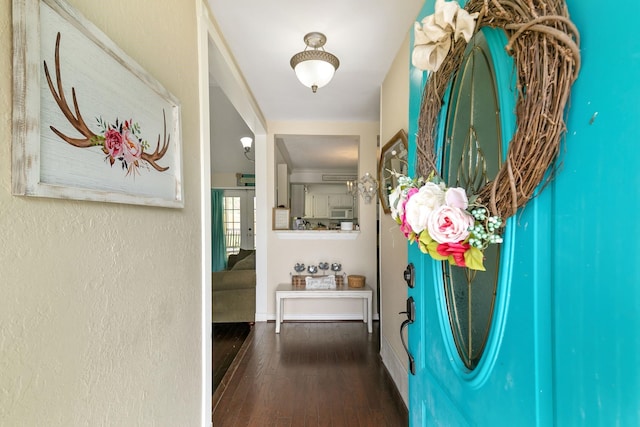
x,y
232,224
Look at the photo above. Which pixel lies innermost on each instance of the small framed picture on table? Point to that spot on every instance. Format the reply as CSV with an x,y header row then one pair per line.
x,y
281,218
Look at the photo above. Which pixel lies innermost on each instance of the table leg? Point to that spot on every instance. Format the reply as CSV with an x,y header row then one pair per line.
x,y
370,315
278,312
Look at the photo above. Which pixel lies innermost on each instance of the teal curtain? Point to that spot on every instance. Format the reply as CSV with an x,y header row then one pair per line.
x,y
218,245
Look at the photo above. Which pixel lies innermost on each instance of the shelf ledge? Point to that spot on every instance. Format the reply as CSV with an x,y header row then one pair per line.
x,y
316,234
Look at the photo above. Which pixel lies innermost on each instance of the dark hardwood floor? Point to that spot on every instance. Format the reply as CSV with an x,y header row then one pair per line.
x,y
227,340
311,374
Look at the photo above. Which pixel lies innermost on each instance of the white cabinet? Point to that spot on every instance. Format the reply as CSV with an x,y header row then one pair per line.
x,y
308,205
340,201
321,206
320,199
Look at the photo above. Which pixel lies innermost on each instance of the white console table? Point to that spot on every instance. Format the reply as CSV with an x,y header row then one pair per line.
x,y
287,291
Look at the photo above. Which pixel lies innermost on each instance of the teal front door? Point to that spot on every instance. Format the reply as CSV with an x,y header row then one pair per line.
x,y
549,335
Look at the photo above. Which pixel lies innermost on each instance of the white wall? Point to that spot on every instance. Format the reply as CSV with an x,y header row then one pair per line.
x,y
100,303
357,256
226,127
224,180
394,113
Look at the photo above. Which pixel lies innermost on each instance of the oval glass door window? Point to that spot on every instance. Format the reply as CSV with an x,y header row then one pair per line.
x,y
471,157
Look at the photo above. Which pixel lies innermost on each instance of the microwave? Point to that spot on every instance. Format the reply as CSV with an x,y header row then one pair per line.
x,y
341,213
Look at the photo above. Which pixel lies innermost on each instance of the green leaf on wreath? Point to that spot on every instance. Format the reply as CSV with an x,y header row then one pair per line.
x,y
432,248
474,259
423,242
411,237
424,238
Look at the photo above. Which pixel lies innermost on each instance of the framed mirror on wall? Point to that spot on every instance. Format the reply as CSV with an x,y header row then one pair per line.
x,y
393,158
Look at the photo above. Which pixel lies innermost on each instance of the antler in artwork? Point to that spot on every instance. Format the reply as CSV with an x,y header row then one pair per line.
x,y
77,121
159,152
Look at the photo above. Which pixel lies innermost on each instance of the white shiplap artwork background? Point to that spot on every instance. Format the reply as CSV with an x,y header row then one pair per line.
x,y
108,85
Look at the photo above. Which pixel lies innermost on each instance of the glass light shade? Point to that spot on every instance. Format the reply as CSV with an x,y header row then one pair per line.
x,y
246,142
314,68
314,72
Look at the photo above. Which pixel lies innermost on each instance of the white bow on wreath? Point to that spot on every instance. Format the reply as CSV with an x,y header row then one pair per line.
x,y
432,36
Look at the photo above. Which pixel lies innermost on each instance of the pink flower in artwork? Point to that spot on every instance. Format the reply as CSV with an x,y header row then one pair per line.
x,y
131,147
113,144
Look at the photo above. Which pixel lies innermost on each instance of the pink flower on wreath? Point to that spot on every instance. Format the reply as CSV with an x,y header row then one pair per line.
x,y
113,144
456,250
404,225
456,197
447,224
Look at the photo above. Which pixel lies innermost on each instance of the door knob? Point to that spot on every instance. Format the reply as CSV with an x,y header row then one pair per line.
x,y
411,314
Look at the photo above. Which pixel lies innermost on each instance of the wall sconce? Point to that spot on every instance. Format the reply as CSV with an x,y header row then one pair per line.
x,y
367,186
314,68
246,145
352,187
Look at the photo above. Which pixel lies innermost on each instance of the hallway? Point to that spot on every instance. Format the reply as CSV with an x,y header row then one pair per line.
x,y
311,374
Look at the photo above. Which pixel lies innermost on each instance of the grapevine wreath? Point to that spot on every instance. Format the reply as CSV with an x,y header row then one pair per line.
x,y
544,44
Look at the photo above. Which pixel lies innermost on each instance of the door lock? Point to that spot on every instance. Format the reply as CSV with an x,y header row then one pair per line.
x,y
409,275
411,310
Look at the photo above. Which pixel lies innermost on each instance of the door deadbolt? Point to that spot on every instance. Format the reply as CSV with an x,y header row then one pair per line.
x,y
409,275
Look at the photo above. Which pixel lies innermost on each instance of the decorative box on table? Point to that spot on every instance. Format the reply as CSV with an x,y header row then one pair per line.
x,y
300,280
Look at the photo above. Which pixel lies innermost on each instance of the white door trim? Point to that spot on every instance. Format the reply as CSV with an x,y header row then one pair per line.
x,y
215,59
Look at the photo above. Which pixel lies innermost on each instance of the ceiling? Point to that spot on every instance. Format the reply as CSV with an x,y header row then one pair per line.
x,y
365,35
337,153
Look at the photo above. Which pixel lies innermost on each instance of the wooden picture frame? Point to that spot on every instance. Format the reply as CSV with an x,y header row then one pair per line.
x,y
281,218
88,122
393,157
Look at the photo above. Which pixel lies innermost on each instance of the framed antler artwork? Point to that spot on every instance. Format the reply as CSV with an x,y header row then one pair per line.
x,y
88,122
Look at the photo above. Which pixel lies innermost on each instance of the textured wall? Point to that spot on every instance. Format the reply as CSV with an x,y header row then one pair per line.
x,y
100,303
394,112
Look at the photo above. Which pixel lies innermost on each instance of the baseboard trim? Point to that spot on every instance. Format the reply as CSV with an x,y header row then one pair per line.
x,y
396,369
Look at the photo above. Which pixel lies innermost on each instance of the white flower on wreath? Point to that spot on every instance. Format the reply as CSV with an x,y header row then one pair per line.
x,y
418,208
432,36
396,202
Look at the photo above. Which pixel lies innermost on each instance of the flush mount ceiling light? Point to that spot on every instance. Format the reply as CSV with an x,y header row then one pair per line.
x,y
246,144
314,68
